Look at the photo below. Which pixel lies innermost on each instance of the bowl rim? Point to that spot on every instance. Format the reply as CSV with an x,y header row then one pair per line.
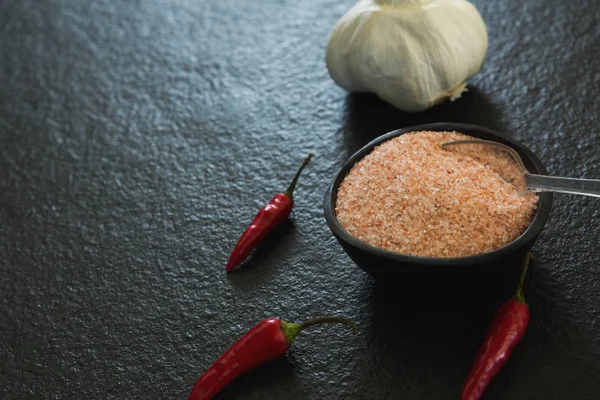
x,y
529,158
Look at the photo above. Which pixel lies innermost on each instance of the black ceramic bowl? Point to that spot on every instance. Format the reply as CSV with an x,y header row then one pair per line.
x,y
497,269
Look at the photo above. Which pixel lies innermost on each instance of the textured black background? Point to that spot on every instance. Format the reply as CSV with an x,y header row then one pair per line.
x,y
137,140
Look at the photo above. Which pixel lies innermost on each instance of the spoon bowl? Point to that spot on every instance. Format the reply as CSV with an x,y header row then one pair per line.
x,y
527,181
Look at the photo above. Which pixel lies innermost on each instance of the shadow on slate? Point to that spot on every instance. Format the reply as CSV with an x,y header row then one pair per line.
x,y
433,322
431,313
448,292
271,243
280,370
426,322
368,117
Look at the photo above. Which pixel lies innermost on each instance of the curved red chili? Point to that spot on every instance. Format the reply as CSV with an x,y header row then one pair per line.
x,y
267,340
271,215
506,331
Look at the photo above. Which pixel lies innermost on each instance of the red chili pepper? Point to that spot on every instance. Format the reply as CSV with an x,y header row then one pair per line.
x,y
267,340
271,215
506,331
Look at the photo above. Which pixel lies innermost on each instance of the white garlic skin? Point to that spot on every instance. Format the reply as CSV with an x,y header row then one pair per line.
x,y
411,53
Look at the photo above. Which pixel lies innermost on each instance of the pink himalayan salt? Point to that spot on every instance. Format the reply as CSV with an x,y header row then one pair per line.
x,y
412,197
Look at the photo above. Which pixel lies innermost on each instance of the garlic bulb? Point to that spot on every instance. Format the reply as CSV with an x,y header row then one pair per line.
x,y
411,53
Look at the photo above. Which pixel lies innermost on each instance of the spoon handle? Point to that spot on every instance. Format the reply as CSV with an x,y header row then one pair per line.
x,y
543,183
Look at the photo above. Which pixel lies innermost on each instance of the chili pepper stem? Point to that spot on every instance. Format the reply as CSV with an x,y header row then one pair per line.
x,y
291,330
289,192
519,295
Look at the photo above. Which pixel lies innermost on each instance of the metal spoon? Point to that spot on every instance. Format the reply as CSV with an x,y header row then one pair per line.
x,y
532,182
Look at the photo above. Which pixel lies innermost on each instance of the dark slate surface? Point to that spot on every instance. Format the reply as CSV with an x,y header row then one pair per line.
x,y
137,140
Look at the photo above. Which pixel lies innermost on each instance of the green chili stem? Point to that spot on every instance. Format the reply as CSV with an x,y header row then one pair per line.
x,y
290,330
289,192
519,295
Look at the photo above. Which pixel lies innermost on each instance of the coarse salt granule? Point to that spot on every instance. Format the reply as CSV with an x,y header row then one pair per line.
x,y
412,197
